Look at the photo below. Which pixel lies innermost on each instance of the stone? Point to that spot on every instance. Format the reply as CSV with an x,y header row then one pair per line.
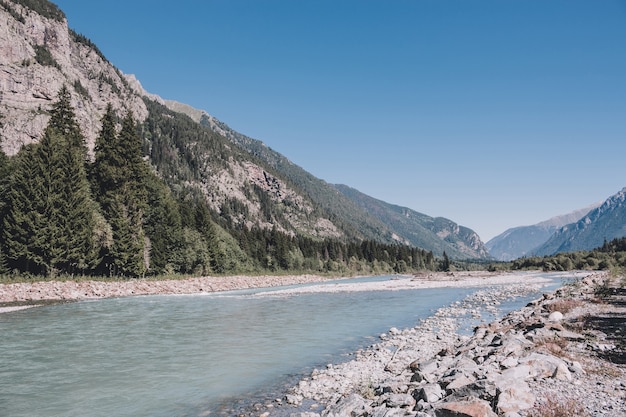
x,y
473,407
352,405
515,398
430,393
541,365
400,401
555,316
562,373
459,381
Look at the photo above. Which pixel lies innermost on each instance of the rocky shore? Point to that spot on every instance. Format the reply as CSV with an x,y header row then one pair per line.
x,y
29,294
562,355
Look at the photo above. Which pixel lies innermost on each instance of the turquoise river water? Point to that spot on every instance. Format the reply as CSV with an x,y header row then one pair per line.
x,y
175,356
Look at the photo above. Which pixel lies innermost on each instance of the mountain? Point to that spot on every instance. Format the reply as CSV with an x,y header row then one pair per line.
x,y
519,241
438,234
38,55
375,218
244,183
606,222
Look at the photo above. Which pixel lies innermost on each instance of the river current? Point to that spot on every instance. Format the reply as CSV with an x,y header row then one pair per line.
x,y
175,356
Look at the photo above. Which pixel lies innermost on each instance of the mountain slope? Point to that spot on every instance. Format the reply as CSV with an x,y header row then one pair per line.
x,y
375,219
438,234
519,241
606,222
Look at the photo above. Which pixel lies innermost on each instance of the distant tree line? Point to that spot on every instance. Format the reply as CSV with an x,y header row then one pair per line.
x,y
611,255
63,214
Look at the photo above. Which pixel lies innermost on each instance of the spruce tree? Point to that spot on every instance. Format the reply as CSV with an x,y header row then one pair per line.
x,y
49,223
50,216
4,177
119,183
63,120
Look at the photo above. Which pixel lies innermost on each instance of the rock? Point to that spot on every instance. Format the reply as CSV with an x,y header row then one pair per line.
x,y
428,367
473,407
352,405
541,365
562,373
515,398
400,401
430,393
459,381
555,316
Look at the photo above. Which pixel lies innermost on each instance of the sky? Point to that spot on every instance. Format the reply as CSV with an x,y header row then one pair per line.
x,y
491,113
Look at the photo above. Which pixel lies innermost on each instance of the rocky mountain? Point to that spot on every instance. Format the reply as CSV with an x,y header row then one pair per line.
x,y
606,222
519,241
437,233
39,54
244,182
371,216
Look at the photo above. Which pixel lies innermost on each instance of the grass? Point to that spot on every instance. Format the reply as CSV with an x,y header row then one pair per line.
x,y
564,305
554,408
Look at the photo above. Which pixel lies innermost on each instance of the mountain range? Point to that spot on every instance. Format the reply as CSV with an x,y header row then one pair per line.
x,y
520,241
241,179
583,229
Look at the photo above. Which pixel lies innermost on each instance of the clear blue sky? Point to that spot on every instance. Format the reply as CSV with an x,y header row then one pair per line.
x,y
493,114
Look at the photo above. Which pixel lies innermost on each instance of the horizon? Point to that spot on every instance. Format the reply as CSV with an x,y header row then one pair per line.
x,y
492,114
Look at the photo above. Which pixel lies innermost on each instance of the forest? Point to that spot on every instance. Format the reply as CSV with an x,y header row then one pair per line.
x,y
114,215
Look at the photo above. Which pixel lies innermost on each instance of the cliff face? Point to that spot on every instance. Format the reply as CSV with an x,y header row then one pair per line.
x,y
37,56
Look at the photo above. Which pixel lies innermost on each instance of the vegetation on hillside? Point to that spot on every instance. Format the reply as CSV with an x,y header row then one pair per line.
x,y
61,214
611,255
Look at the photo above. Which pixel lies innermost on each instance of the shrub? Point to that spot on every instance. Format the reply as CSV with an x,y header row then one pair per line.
x,y
554,408
564,306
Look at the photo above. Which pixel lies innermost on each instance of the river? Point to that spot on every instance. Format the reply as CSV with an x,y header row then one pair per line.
x,y
190,355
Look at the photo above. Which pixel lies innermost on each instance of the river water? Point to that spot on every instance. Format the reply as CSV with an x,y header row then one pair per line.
x,y
178,356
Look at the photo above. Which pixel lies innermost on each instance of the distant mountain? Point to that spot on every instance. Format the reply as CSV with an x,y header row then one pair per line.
x,y
436,233
519,241
606,222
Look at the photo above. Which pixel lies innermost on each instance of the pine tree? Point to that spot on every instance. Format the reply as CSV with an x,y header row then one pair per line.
x,y
63,120
4,177
119,177
48,227
50,216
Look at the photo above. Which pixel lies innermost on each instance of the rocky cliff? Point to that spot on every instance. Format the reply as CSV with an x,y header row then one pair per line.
x,y
38,54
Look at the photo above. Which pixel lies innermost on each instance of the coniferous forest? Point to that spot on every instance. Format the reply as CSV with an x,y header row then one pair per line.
x,y
63,212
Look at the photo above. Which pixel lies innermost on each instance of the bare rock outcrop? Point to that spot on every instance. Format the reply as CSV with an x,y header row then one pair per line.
x,y
38,55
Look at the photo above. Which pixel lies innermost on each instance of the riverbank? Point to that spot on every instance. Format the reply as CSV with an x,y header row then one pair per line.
x,y
563,353
24,295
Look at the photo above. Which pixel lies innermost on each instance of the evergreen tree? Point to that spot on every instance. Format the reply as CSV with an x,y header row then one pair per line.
x,y
163,227
63,120
49,223
119,177
4,177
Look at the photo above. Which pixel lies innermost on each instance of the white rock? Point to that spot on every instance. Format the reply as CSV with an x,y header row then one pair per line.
x,y
555,316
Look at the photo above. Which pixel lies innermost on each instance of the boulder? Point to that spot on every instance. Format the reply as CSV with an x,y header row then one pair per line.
x,y
430,393
555,317
400,401
472,407
351,405
515,398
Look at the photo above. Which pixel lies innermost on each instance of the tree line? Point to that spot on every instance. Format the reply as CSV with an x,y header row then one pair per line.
x,y
64,214
611,255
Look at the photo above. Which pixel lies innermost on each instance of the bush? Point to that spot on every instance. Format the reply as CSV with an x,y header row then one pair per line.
x,y
554,408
